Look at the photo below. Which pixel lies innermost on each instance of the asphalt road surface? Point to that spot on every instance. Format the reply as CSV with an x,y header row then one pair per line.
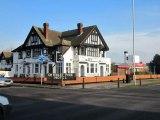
x,y
84,104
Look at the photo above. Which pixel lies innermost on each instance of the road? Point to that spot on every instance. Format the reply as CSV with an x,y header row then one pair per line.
x,y
31,103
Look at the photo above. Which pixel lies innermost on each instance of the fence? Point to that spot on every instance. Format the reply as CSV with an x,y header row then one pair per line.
x,y
80,80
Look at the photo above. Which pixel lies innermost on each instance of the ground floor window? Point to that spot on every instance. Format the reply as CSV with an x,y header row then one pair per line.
x,y
58,67
68,67
16,68
87,67
107,68
92,68
50,68
95,68
36,68
24,69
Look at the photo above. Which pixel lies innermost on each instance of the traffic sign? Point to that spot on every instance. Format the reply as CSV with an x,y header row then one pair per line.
x,y
42,58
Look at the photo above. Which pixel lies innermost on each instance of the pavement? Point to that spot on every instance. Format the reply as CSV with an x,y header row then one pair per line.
x,y
102,85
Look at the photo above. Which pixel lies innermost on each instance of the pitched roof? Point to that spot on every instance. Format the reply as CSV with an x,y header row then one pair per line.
x,y
74,37
68,38
7,55
53,36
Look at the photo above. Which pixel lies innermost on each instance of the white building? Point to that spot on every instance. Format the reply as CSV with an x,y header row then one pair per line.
x,y
81,51
6,59
129,58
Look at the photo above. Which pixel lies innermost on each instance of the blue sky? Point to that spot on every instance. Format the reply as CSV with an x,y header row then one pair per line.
x,y
113,18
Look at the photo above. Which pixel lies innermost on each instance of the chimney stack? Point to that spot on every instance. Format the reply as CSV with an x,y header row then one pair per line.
x,y
80,28
45,30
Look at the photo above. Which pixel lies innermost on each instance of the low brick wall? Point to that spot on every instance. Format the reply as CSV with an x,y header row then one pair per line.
x,y
94,79
106,79
80,80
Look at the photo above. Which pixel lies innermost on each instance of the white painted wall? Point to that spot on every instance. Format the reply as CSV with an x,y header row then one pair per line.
x,y
68,58
7,73
130,59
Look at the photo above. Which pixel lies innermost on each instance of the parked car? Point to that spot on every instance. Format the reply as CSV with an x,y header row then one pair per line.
x,y
5,81
5,107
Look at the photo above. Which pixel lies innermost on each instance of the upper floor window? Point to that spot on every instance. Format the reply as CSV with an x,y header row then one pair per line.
x,y
28,53
83,51
20,55
92,52
34,39
45,51
36,52
94,39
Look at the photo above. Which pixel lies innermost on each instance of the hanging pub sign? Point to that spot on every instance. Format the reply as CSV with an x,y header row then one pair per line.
x,y
61,76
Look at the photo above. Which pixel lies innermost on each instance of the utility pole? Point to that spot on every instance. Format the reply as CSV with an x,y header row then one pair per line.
x,y
134,76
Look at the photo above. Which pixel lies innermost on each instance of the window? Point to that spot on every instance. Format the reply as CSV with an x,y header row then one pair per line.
x,y
20,55
92,52
87,67
95,68
107,68
92,68
94,39
36,68
36,52
16,68
34,40
28,53
23,69
68,67
50,68
45,51
58,67
83,51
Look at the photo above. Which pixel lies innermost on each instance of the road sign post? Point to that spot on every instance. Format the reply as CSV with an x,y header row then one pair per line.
x,y
42,58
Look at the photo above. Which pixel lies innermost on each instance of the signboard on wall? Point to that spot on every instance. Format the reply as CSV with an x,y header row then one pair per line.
x,y
58,77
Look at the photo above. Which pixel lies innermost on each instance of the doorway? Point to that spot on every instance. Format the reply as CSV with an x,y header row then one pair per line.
x,y
82,71
101,70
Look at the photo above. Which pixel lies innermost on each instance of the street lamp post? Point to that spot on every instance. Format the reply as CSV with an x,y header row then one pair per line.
x,y
134,76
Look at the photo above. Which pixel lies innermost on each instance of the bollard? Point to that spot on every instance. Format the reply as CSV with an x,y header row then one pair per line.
x,y
118,83
123,81
83,84
140,82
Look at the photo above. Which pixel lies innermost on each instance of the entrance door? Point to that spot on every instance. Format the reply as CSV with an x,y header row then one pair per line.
x,y
101,70
82,71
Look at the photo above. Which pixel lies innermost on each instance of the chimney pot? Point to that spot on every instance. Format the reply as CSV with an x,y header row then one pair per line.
x,y
46,26
80,28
